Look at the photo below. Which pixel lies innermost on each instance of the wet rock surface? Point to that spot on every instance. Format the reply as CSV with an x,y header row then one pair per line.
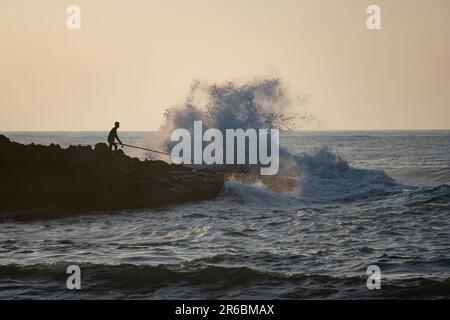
x,y
50,182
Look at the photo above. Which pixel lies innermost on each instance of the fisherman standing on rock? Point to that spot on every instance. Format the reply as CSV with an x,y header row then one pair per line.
x,y
112,136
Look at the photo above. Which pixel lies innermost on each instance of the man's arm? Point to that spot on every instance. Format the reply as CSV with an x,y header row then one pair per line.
x,y
117,137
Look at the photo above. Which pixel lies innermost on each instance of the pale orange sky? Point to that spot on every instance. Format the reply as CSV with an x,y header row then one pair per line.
x,y
133,59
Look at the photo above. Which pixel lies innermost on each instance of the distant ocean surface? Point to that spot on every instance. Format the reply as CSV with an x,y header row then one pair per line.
x,y
366,198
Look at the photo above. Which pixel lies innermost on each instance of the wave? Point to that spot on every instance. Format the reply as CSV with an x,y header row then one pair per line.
x,y
320,176
326,175
267,104
193,281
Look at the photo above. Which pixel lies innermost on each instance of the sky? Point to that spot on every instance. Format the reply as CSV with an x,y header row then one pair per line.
x,y
133,59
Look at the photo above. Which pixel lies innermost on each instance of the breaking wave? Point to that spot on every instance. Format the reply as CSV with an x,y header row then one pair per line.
x,y
257,104
267,104
326,175
321,175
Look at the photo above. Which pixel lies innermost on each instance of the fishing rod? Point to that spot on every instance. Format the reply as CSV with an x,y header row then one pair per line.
x,y
146,149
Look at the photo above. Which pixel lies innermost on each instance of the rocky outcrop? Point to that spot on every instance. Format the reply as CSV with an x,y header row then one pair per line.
x,y
49,181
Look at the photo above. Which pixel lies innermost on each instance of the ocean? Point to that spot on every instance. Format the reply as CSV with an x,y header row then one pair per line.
x,y
365,198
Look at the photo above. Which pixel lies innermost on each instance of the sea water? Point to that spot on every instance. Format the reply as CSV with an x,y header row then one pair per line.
x,y
365,198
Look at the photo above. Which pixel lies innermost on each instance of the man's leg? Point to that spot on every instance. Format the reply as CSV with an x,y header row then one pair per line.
x,y
110,146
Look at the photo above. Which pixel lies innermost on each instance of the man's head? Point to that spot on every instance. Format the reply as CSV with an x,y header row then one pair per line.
x,y
117,124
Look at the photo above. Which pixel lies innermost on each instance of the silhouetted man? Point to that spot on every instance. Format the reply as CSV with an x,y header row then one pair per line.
x,y
112,136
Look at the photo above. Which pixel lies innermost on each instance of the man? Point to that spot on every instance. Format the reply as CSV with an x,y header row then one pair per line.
x,y
112,136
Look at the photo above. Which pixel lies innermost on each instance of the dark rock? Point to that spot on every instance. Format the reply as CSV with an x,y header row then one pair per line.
x,y
49,181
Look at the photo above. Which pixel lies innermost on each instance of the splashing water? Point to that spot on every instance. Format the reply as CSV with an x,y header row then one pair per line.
x,y
267,104
257,104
